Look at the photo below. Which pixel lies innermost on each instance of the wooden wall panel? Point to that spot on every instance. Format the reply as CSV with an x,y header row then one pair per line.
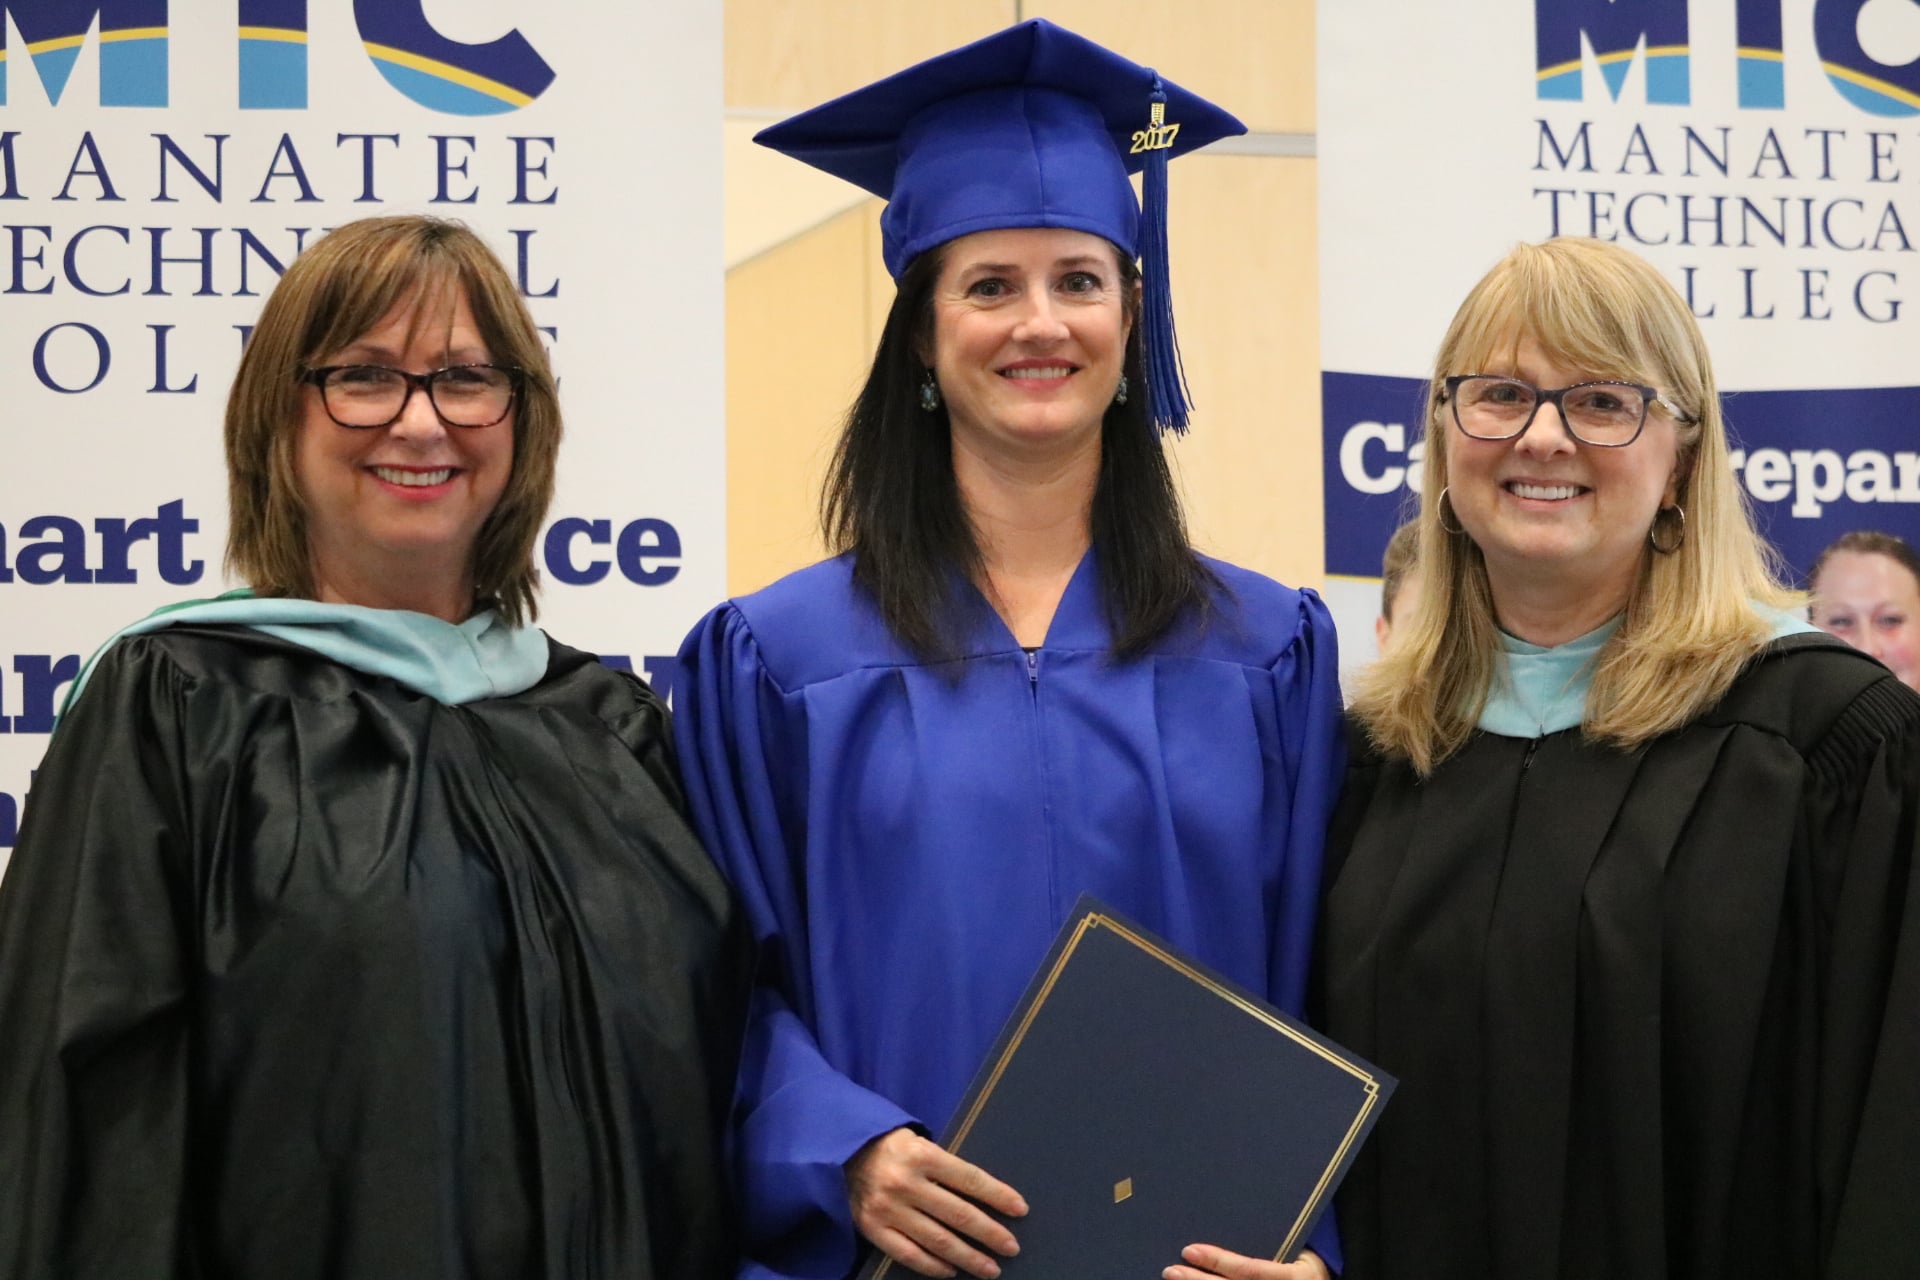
x,y
1246,295
798,344
1254,57
788,54
771,198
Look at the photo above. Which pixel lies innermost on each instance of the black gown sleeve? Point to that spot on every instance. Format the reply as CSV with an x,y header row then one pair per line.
x,y
702,1011
724,987
1356,792
1864,824
95,1015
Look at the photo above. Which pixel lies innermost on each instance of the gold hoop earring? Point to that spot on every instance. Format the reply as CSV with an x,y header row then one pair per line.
x,y
1679,526
1440,515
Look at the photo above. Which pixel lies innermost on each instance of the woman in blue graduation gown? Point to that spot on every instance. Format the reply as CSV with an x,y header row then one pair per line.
x,y
1017,683
356,929
1625,887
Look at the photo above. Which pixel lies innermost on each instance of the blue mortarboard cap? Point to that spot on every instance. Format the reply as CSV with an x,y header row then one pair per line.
x,y
1033,126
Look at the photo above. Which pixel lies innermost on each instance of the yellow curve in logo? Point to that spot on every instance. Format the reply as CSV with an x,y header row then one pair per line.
x,y
133,33
57,43
1623,55
281,34
448,72
1870,84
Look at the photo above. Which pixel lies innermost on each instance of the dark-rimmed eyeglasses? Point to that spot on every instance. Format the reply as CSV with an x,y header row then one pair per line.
x,y
364,396
1607,415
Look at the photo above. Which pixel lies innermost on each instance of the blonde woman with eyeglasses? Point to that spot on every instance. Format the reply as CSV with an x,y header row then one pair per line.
x,y
1624,883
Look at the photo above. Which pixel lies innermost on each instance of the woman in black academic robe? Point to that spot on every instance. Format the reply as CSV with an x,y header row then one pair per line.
x,y
1623,885
356,929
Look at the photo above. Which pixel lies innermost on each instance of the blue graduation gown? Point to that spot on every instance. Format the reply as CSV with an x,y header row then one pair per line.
x,y
907,838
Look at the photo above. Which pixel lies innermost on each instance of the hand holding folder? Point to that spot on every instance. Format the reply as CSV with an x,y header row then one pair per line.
x,y
1140,1103
924,1205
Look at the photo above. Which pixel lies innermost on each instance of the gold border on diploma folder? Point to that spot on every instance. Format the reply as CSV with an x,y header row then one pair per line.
x,y
1096,920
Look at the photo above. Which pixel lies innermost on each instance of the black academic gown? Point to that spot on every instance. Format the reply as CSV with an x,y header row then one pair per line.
x,y
1654,1013
304,974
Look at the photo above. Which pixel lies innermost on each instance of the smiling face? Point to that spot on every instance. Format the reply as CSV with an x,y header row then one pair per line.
x,y
1030,329
1873,603
392,512
1546,509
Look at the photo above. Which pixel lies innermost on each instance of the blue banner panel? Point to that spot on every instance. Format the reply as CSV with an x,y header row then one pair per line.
x,y
1814,464
1817,464
1370,459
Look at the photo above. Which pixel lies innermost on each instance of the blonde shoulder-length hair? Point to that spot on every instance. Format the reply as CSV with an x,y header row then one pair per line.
x,y
332,294
1691,620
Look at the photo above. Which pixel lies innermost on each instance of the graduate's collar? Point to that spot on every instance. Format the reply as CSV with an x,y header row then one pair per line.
x,y
1079,620
1539,690
452,663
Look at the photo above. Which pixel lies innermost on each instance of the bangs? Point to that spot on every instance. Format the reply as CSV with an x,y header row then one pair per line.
x,y
366,288
1580,320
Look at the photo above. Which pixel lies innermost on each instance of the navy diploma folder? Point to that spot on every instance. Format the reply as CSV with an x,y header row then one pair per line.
x,y
1141,1104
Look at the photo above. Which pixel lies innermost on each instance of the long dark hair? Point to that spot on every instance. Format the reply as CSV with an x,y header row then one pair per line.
x,y
891,498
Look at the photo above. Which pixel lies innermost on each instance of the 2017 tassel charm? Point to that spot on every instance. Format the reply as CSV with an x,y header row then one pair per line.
x,y
1168,399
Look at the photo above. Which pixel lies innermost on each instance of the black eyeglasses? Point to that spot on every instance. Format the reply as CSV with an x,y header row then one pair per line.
x,y
1607,415
365,396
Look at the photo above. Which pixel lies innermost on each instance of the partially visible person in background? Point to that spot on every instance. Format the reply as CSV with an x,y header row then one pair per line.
x,y
1399,580
1866,590
356,928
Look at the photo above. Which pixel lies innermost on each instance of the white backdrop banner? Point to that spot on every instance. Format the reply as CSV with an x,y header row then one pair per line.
x,y
159,167
1765,154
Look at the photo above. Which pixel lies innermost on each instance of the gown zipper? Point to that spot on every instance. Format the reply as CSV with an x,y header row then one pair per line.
x,y
1053,869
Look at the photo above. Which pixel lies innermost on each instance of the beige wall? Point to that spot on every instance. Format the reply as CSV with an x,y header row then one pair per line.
x,y
806,293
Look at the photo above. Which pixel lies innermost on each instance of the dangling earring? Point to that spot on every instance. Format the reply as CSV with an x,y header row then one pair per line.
x,y
929,394
1440,514
1679,526
1120,392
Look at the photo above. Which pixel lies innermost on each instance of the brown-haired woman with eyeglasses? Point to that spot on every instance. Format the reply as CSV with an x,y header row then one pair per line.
x,y
356,928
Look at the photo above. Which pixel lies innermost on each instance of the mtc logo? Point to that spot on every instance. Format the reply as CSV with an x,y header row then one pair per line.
x,y
1656,31
438,73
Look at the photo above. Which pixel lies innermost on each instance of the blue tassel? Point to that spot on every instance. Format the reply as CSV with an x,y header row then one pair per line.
x,y
1167,396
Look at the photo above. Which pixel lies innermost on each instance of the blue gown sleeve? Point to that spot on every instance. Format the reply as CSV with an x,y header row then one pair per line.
x,y
1313,747
797,1119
